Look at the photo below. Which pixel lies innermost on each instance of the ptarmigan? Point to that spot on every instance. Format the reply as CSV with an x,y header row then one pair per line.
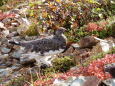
x,y
43,49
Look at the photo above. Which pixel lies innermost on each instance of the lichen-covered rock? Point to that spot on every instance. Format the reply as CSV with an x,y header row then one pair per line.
x,y
16,54
78,81
16,67
21,9
5,33
4,56
109,82
4,41
104,45
11,23
26,60
5,50
110,68
5,72
2,26
60,82
12,34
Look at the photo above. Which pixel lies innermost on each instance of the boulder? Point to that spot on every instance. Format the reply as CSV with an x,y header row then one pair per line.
x,y
5,50
4,56
26,60
16,54
78,81
5,72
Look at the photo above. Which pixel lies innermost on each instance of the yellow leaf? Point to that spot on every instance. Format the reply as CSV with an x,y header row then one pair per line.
x,y
44,14
58,1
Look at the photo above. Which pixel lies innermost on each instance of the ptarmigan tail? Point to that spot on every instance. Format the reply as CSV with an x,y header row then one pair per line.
x,y
14,42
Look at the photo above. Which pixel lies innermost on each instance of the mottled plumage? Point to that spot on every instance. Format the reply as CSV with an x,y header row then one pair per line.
x,y
54,42
47,46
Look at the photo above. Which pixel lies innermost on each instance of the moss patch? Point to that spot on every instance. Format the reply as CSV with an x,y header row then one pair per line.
x,y
60,65
32,31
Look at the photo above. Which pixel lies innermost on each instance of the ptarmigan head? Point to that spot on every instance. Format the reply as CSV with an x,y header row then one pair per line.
x,y
59,31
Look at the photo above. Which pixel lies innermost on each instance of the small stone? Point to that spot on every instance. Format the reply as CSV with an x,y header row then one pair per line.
x,y
16,11
110,68
26,21
58,82
13,34
16,54
109,82
14,24
8,63
5,72
2,66
26,60
5,56
16,47
5,50
78,81
70,79
0,43
2,25
86,81
16,67
6,32
4,40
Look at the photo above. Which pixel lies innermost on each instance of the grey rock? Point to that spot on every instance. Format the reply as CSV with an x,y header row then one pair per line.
x,y
4,40
13,34
110,68
26,60
92,81
17,38
86,81
16,54
16,48
16,11
2,25
2,65
5,56
5,72
105,44
26,21
15,24
9,63
6,20
5,50
5,33
16,67
109,82
58,82
0,43
78,81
